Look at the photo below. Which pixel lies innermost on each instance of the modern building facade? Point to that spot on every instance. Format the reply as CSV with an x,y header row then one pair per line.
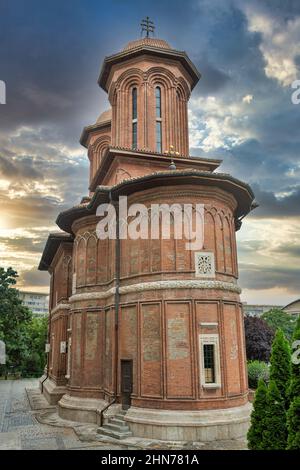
x,y
293,308
37,302
257,310
146,324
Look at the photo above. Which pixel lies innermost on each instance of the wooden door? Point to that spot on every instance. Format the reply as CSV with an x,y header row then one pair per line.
x,y
126,383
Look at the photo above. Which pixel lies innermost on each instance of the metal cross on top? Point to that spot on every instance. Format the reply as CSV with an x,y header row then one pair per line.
x,y
147,26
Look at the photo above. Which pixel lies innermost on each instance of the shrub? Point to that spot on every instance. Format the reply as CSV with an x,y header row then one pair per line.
x,y
280,369
293,425
255,433
293,415
257,370
275,431
294,389
259,337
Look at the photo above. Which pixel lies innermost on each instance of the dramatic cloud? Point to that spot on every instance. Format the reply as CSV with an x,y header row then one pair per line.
x,y
263,278
279,45
34,278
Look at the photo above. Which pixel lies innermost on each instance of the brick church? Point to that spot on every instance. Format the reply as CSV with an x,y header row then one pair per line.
x,y
146,337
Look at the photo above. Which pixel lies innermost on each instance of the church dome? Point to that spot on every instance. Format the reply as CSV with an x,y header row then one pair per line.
x,y
104,117
151,42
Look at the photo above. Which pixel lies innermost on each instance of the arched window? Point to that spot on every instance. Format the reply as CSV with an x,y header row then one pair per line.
x,y
134,118
158,119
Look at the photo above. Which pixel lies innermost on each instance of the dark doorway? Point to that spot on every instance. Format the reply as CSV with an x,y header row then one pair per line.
x,y
126,383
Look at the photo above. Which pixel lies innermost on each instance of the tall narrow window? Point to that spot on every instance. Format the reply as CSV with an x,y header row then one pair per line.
x,y
209,363
158,119
134,118
210,372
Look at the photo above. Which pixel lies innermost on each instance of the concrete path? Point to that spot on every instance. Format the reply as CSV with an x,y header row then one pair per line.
x,y
19,428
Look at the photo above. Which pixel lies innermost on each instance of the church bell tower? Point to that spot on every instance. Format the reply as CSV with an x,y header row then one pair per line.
x,y
148,85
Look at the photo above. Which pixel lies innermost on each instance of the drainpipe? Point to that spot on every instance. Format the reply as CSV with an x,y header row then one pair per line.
x,y
115,203
49,337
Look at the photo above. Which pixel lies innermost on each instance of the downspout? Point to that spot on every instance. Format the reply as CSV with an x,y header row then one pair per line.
x,y
115,203
49,337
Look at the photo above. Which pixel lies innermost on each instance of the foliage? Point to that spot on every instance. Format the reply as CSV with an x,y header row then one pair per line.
x,y
268,430
293,415
23,334
294,388
276,319
257,370
34,363
274,436
293,425
259,338
14,319
255,433
280,369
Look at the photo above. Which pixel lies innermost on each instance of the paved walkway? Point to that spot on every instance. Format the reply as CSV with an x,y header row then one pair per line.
x,y
19,428
35,425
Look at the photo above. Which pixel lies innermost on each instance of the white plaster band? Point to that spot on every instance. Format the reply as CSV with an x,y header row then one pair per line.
x,y
158,285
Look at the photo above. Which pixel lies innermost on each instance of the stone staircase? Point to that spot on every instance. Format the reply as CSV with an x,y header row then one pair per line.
x,y
116,427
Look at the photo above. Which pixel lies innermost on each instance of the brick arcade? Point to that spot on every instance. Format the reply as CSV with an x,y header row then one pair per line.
x,y
147,325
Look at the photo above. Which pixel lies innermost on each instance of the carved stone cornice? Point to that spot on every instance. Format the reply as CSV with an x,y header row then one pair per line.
x,y
59,307
159,285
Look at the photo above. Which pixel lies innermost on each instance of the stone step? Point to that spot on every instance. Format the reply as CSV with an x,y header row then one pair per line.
x,y
119,422
119,416
117,427
115,434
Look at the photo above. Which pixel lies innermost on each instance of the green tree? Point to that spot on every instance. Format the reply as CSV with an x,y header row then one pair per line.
x,y
293,425
14,319
293,415
281,368
276,319
294,388
35,360
255,433
274,436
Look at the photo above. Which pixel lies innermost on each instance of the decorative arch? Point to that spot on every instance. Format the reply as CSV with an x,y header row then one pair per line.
x,y
120,175
228,245
160,76
120,99
220,243
129,78
183,89
70,277
91,259
99,147
80,261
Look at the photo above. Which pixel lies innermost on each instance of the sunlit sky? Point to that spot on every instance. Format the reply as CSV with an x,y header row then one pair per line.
x,y
241,112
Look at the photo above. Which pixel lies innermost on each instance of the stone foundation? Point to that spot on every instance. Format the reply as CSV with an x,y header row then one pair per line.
x,y
201,426
51,391
83,410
